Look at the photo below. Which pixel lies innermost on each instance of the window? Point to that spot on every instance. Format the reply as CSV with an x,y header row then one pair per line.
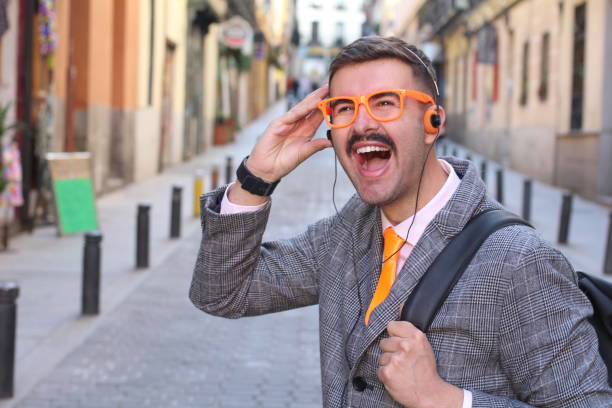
x,y
525,75
578,67
314,34
339,34
543,88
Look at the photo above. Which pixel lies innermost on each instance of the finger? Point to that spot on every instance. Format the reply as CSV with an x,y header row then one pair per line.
x,y
384,359
313,121
306,106
401,329
390,344
310,148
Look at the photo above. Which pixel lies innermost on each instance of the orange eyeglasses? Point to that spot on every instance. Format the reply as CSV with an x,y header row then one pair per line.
x,y
383,106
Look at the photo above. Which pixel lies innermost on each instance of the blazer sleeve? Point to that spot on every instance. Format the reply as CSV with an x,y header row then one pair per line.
x,y
548,348
237,275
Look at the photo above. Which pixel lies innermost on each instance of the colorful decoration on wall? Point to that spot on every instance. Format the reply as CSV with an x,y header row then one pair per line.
x,y
47,28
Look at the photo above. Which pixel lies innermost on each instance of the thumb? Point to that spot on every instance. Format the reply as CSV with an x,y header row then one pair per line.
x,y
310,148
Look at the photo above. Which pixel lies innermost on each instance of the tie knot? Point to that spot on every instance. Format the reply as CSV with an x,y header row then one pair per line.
x,y
392,242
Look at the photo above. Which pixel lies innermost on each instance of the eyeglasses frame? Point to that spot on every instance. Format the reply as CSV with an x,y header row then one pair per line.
x,y
363,100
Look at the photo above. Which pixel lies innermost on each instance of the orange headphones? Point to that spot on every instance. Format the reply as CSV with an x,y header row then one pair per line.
x,y
432,120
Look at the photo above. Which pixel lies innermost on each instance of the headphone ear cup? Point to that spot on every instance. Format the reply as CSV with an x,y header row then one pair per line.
x,y
431,121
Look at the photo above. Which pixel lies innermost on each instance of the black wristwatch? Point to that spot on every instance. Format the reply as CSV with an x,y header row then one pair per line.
x,y
252,183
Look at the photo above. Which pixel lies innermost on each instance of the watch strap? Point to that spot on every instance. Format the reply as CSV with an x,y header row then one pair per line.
x,y
252,183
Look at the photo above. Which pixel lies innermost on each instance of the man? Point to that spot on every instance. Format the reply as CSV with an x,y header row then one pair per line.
x,y
514,330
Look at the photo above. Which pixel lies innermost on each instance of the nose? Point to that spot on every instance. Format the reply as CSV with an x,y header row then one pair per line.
x,y
364,123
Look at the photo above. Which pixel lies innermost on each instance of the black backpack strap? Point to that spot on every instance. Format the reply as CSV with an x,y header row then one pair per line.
x,y
442,275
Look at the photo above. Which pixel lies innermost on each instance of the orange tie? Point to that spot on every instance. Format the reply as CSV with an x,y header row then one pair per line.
x,y
393,243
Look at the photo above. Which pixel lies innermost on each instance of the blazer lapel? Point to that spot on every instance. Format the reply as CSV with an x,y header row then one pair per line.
x,y
422,255
368,241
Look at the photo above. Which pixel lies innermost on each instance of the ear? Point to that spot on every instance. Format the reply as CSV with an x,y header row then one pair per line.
x,y
442,114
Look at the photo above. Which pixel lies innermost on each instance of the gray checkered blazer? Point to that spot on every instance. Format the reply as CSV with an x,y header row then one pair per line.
x,y
514,330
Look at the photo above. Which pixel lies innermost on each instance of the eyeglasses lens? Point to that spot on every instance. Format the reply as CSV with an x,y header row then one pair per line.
x,y
385,105
382,105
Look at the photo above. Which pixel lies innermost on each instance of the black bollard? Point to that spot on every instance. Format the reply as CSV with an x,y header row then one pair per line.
x,y
8,325
527,199
90,296
214,178
175,213
566,210
229,170
608,255
142,236
455,153
483,171
500,185
468,157
444,149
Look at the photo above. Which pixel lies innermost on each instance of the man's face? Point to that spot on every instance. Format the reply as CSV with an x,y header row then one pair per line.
x,y
382,159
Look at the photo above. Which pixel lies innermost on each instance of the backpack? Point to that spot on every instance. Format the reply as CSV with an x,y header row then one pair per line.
x,y
442,275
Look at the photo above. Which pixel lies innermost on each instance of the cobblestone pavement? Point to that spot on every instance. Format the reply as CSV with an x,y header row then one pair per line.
x,y
157,350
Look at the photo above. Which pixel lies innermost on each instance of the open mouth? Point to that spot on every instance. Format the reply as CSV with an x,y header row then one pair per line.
x,y
372,159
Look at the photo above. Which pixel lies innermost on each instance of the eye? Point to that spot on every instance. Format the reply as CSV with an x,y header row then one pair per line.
x,y
341,106
385,100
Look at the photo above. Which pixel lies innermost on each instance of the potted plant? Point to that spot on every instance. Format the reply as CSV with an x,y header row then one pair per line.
x,y
224,130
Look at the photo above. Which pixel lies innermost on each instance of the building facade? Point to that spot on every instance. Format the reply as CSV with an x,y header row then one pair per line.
x,y
524,83
139,84
325,27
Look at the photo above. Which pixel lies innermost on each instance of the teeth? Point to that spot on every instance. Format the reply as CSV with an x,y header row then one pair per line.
x,y
368,149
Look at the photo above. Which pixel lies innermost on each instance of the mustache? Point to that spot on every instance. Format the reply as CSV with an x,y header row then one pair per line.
x,y
372,137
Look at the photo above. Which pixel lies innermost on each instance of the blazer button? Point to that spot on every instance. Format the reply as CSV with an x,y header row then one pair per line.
x,y
359,384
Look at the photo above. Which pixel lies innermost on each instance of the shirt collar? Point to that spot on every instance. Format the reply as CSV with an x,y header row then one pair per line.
x,y
429,211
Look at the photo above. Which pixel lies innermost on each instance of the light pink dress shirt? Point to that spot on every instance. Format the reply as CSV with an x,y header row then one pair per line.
x,y
422,220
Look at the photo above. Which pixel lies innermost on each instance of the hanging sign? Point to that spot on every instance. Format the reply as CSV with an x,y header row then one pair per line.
x,y
236,33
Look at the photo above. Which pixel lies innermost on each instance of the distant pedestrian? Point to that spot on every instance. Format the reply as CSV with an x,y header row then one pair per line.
x,y
514,331
305,86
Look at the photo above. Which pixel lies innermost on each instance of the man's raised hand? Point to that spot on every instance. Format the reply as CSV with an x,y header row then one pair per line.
x,y
287,141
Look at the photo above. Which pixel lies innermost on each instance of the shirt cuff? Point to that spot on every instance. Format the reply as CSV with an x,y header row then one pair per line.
x,y
467,399
227,207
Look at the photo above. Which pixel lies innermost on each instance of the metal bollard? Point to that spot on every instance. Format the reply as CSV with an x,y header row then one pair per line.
x,y
214,177
455,153
566,210
142,236
500,185
527,199
468,157
198,189
483,171
9,291
608,256
175,213
229,170
90,295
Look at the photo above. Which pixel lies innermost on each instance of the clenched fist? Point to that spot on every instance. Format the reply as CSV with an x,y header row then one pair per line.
x,y
407,368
